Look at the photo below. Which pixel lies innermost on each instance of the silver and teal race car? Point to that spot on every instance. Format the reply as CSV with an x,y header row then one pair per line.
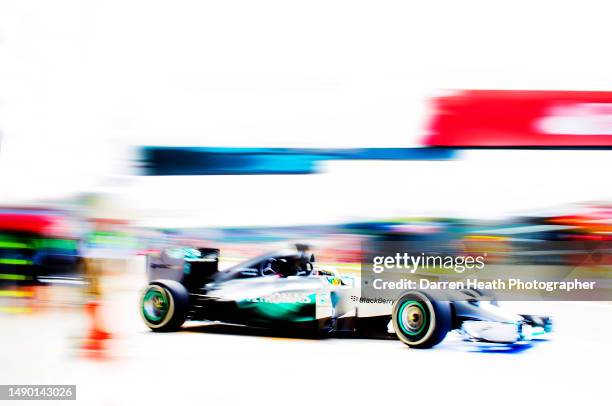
x,y
286,290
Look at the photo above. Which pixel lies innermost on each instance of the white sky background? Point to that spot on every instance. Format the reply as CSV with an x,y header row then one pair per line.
x,y
81,81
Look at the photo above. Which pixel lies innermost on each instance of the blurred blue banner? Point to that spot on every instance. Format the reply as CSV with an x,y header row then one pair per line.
x,y
164,161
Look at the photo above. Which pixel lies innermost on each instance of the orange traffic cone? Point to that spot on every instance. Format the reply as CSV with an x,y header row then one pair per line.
x,y
95,342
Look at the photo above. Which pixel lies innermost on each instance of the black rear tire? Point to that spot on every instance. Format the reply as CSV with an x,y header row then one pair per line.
x,y
420,321
164,305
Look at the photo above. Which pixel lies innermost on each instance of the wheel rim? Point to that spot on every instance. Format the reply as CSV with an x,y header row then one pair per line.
x,y
412,318
155,305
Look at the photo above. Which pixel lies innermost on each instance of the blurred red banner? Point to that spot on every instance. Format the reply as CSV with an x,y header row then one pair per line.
x,y
521,118
45,224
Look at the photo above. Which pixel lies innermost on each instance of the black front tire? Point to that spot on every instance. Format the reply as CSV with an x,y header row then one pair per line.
x,y
420,321
164,305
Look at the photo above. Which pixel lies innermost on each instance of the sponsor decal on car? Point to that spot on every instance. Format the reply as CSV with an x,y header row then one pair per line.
x,y
285,297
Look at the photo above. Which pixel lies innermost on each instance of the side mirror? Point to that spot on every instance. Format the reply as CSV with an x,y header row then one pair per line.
x,y
312,258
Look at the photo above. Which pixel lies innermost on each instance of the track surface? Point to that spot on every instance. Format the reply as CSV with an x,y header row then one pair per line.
x,y
223,366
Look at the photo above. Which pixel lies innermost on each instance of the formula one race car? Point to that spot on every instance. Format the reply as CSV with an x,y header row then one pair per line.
x,y
284,290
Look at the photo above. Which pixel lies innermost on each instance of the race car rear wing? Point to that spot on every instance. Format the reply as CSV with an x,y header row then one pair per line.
x,y
193,267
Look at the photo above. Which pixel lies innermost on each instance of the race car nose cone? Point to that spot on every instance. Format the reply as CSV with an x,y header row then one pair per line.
x,y
491,331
